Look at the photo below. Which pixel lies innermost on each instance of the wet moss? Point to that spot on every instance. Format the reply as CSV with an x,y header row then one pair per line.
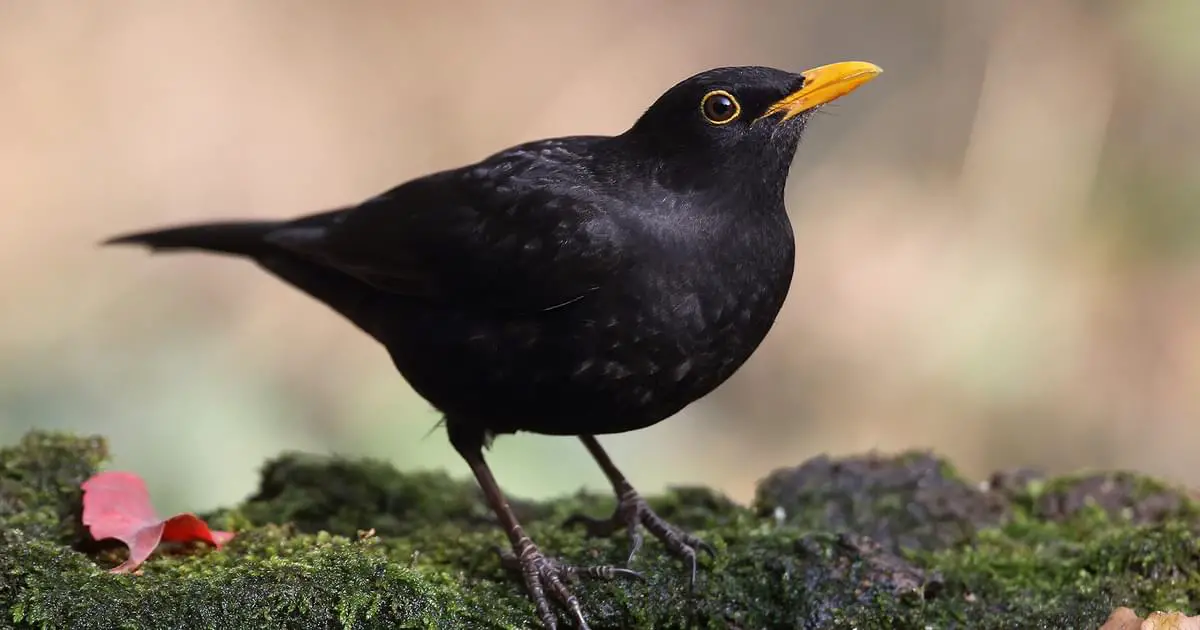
x,y
953,555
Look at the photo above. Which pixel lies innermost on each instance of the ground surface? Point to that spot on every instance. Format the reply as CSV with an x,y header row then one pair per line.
x,y
867,542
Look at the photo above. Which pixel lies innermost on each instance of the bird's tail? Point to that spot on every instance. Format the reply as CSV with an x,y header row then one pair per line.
x,y
250,239
239,238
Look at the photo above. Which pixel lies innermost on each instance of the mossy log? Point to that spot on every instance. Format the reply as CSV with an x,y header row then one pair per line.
x,y
867,542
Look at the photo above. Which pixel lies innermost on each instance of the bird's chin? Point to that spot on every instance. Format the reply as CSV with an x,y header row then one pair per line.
x,y
786,134
800,121
777,123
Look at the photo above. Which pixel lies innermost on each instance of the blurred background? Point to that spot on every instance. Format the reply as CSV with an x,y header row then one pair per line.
x,y
998,239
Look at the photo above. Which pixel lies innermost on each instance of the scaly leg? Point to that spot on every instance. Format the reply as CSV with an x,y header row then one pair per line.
x,y
544,577
633,511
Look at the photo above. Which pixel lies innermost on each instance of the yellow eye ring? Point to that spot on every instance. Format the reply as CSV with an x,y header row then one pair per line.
x,y
720,107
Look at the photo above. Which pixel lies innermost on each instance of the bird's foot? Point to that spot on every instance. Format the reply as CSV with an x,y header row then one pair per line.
x,y
631,514
546,579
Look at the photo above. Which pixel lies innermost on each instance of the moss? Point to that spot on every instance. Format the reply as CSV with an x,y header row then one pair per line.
x,y
1119,494
267,579
39,483
343,496
953,555
1048,576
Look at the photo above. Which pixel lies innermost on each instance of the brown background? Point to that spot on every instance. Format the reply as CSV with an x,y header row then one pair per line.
x,y
997,238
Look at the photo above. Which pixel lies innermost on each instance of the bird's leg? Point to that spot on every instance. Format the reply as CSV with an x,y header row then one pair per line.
x,y
633,511
545,578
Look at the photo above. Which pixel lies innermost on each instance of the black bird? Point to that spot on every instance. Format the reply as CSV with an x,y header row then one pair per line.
x,y
580,286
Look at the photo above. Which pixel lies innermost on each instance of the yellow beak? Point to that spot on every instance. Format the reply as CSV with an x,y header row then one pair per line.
x,y
822,85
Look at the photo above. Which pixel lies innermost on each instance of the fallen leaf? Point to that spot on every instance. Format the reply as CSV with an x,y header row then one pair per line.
x,y
1122,619
1170,621
117,505
1125,619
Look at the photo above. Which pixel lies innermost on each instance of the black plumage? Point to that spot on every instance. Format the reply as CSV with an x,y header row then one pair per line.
x,y
581,286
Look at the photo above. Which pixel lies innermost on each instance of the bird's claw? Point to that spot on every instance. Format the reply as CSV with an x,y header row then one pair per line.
x,y
631,514
541,574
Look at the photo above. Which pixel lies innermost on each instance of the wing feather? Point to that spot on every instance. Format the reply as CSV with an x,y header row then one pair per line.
x,y
502,235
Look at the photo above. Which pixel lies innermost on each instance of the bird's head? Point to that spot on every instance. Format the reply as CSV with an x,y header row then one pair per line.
x,y
743,121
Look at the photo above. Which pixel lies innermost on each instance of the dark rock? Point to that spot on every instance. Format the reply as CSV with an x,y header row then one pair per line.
x,y
912,500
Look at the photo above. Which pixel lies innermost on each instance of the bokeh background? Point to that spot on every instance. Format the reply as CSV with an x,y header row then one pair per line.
x,y
999,238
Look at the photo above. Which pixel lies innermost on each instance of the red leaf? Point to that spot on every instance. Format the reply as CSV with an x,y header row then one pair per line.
x,y
117,505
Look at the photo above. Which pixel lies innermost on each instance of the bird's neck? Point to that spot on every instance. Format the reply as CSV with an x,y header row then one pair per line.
x,y
752,185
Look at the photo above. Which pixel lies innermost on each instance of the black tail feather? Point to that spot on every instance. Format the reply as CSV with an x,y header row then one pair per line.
x,y
345,294
242,238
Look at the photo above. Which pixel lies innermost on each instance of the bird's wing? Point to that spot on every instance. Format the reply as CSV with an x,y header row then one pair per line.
x,y
492,242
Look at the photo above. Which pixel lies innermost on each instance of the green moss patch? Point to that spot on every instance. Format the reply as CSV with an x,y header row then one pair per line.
x,y
871,542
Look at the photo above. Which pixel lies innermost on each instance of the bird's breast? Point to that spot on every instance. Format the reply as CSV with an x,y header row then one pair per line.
x,y
685,321
672,327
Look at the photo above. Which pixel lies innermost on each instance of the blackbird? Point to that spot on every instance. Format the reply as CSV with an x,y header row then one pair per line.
x,y
581,285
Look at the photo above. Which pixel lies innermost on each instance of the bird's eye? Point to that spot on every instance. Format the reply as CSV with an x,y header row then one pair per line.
x,y
719,107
